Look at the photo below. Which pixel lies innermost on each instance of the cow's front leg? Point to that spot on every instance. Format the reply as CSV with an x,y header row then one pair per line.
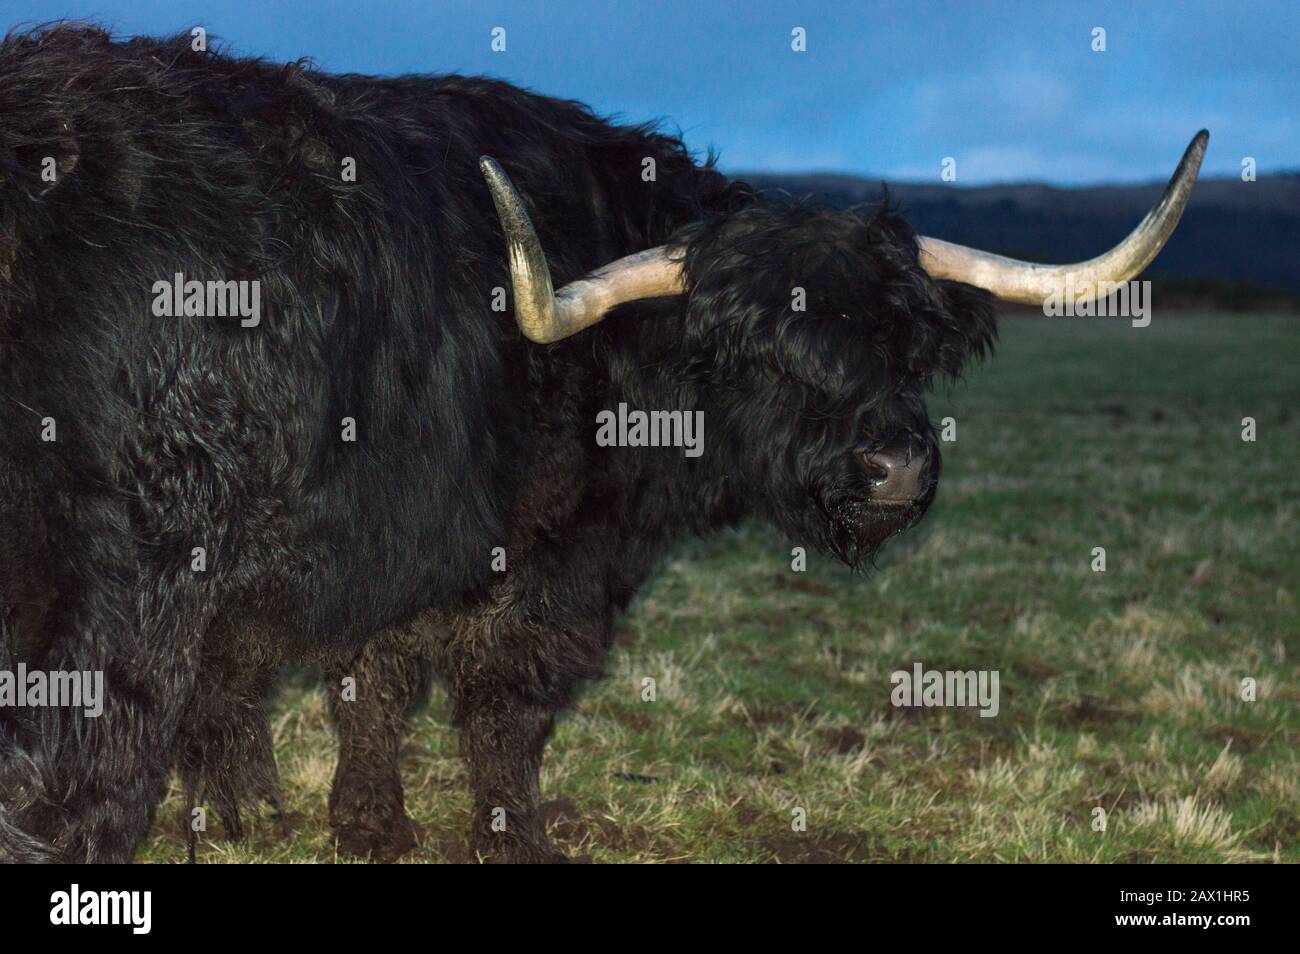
x,y
371,699
503,736
512,671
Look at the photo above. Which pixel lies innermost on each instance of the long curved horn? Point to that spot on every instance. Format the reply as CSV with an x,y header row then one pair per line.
x,y
1032,284
545,315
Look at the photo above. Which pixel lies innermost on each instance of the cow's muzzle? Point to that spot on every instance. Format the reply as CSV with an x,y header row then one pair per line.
x,y
900,474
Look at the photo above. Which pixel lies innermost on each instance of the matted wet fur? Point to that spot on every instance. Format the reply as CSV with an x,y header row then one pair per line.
x,y
177,433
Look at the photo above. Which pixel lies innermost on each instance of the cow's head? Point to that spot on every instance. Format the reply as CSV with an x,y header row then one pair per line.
x,y
814,333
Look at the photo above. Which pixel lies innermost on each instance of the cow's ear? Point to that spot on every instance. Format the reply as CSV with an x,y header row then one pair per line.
x,y
58,159
968,326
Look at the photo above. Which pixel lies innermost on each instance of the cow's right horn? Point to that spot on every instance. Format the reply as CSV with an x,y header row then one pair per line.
x,y
1033,284
545,315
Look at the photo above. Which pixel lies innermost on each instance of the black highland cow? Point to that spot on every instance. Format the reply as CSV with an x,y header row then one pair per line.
x,y
181,509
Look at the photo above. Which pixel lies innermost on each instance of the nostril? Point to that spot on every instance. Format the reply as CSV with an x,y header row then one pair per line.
x,y
897,474
877,469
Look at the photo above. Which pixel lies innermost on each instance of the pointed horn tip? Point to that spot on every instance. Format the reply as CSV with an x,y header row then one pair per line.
x,y
1196,148
492,171
1189,166
497,179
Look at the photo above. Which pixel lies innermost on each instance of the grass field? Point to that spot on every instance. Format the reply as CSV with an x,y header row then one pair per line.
x,y
1119,690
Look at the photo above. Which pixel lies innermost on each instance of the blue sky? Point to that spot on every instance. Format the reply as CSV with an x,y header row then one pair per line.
x,y
1011,90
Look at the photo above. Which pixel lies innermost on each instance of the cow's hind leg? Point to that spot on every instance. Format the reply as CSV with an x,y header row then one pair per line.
x,y
372,699
102,767
225,754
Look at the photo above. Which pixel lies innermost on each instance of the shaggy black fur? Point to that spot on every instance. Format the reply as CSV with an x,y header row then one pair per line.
x,y
374,556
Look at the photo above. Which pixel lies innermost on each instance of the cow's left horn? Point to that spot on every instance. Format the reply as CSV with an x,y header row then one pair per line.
x,y
1032,284
545,315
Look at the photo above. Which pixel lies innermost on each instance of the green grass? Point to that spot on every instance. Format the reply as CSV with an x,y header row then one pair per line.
x,y
1120,690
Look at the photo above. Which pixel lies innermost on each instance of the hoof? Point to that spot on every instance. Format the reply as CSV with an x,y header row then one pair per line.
x,y
382,840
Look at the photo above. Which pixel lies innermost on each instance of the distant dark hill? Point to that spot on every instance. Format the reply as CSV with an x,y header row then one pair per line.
x,y
1236,233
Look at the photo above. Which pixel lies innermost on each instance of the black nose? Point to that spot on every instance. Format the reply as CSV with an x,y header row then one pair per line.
x,y
898,472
